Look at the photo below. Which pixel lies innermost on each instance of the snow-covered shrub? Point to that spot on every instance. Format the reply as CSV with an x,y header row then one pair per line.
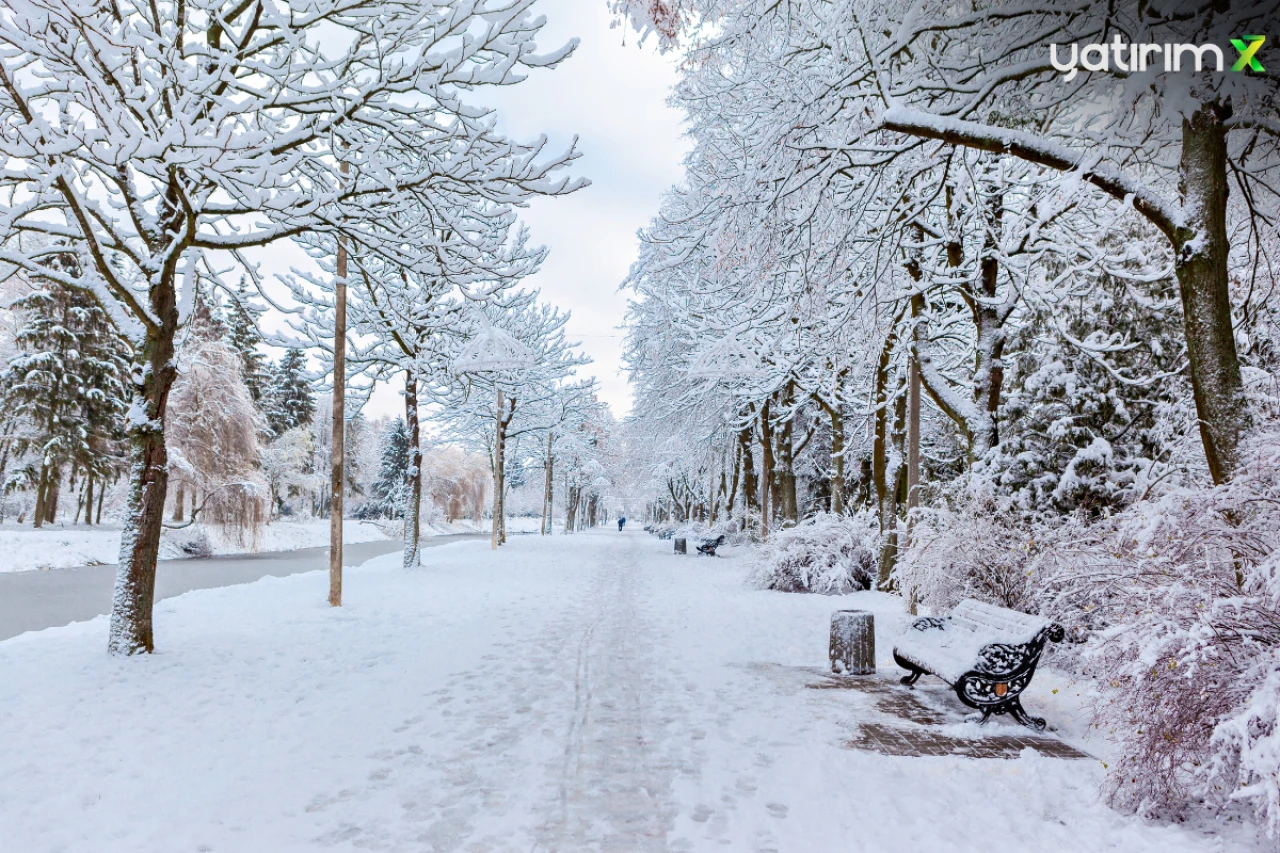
x,y
979,550
828,554
1184,593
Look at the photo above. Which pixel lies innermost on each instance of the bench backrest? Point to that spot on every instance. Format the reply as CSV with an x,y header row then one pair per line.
x,y
1010,625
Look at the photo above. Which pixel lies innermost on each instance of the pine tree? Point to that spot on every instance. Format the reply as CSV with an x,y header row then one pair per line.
x,y
388,492
289,402
68,386
242,334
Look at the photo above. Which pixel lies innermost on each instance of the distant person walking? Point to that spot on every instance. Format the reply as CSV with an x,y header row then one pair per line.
x,y
622,520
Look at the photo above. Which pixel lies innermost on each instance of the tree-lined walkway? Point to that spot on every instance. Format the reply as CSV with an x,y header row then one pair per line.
x,y
567,693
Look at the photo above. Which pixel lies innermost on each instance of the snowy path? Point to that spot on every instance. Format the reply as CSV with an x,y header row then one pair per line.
x,y
585,693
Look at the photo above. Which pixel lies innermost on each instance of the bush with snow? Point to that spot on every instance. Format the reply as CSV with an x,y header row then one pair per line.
x,y
978,550
827,554
1183,594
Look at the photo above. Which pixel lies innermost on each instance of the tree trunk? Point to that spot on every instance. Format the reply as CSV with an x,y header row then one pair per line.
x,y
131,628
51,498
413,475
788,503
179,500
102,492
889,509
88,500
989,334
837,458
547,489
913,438
1201,247
732,497
337,467
570,508
880,443
768,495
749,498
499,470
42,489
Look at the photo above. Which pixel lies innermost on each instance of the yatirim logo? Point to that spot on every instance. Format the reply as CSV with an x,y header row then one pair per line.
x,y
1140,57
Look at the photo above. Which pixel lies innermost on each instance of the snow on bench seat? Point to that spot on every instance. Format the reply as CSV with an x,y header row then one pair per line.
x,y
987,653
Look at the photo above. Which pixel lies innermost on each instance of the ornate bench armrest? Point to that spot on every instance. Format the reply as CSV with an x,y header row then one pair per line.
x,y
930,623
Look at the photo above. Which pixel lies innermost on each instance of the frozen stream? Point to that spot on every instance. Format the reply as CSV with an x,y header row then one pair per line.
x,y
32,601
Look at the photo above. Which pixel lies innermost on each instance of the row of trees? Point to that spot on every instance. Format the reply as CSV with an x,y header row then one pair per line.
x,y
1024,327
856,266
152,148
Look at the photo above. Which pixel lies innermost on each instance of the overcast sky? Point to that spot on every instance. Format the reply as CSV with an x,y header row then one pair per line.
x,y
612,96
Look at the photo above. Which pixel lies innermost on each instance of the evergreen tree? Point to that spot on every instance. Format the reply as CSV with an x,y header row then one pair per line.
x,y
289,402
68,385
242,334
388,492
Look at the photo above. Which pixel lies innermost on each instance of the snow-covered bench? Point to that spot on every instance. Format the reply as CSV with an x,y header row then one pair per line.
x,y
987,653
709,546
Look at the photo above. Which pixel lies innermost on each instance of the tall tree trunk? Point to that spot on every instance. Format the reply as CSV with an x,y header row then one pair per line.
x,y
42,490
179,500
88,500
788,503
749,498
913,442
880,443
732,496
153,375
338,468
988,323
1201,247
896,478
499,470
768,493
837,457
547,488
413,475
52,493
102,492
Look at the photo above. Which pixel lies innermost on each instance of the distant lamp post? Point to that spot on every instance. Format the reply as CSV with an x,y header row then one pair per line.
x,y
498,357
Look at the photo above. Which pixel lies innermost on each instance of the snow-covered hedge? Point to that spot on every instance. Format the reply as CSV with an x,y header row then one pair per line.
x,y
828,554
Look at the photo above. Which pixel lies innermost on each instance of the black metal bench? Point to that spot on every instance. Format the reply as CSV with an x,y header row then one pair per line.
x,y
987,653
709,546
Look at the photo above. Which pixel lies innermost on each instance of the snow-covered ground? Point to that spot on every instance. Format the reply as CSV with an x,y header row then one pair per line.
x,y
515,524
62,546
572,693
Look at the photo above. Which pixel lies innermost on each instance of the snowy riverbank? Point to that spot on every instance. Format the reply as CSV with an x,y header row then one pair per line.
x,y
23,548
63,546
569,693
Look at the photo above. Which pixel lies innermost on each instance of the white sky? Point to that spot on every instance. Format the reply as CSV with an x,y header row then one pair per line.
x,y
613,97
